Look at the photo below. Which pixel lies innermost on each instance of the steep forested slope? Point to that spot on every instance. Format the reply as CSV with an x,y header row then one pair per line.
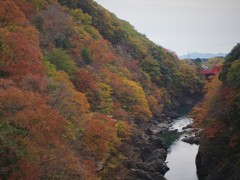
x,y
76,85
218,114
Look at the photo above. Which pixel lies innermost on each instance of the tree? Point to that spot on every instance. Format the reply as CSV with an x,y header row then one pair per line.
x,y
105,102
21,55
56,28
235,112
81,17
233,76
62,61
230,58
132,98
152,68
85,80
10,14
35,147
87,56
100,137
36,125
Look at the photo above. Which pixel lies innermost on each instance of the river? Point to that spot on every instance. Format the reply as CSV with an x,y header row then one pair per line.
x,y
181,155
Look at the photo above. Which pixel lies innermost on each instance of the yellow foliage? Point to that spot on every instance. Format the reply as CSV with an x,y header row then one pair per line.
x,y
134,98
124,129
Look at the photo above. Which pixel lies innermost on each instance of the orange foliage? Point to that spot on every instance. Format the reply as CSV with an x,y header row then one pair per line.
x,y
20,53
29,111
200,111
40,129
10,14
26,7
101,50
20,56
100,137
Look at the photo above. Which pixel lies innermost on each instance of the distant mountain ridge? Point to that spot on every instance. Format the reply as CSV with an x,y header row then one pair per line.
x,y
202,55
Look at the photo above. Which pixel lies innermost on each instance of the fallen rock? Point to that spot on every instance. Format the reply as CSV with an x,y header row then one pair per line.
x,y
100,166
187,127
191,140
155,166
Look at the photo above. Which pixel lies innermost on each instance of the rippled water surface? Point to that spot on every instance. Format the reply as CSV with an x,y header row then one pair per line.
x,y
181,155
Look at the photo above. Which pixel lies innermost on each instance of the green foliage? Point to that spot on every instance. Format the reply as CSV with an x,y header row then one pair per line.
x,y
152,68
233,76
10,149
87,56
230,58
62,61
61,41
38,22
70,3
188,82
235,112
81,17
167,76
50,69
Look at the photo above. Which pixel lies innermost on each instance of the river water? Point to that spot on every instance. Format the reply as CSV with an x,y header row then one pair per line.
x,y
181,156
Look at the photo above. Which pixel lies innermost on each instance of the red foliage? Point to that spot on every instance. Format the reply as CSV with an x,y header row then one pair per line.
x,y
21,56
84,80
26,7
211,132
29,111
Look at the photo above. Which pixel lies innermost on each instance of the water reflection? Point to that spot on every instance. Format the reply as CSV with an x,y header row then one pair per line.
x,y
181,156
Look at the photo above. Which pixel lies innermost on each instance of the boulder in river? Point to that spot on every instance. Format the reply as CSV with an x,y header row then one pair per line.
x,y
155,166
191,139
187,127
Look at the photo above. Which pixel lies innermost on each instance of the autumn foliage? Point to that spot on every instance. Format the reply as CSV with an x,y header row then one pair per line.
x,y
219,107
74,84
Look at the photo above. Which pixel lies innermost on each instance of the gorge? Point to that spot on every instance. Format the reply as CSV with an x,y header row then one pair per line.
x,y
83,95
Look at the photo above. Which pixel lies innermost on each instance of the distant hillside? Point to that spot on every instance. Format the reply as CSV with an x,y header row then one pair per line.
x,y
202,55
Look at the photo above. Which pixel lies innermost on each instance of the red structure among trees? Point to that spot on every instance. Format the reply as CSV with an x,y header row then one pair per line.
x,y
211,72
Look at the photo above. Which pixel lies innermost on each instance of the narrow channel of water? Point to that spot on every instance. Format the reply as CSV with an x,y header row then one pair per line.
x,y
181,155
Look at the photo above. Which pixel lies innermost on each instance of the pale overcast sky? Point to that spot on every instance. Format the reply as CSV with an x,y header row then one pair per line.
x,y
183,25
